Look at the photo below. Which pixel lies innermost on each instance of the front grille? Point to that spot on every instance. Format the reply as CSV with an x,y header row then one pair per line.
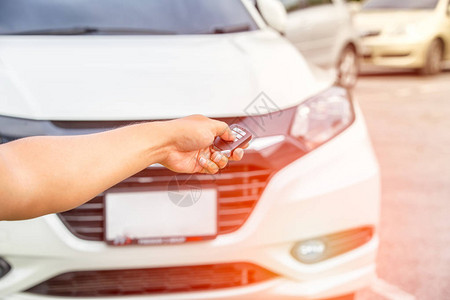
x,y
152,281
239,187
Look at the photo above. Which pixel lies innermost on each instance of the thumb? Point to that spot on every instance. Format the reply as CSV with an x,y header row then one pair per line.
x,y
221,129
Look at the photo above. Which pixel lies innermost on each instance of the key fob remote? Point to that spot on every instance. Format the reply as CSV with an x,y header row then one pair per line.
x,y
243,136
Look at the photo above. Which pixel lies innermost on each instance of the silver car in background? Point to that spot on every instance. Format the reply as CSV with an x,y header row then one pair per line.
x,y
323,31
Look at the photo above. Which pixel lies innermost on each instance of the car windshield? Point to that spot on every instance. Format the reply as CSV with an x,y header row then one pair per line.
x,y
123,17
403,4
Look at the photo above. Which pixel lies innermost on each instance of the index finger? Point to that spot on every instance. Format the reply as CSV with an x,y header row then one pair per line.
x,y
221,129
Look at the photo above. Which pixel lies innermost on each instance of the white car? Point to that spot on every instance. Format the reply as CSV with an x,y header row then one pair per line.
x,y
296,218
323,31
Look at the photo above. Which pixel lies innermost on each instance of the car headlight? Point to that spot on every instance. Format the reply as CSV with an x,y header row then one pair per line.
x,y
316,120
416,29
322,117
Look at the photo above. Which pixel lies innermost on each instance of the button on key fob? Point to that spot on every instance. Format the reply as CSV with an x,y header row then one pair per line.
x,y
243,136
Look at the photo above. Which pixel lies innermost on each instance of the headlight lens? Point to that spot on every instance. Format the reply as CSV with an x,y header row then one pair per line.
x,y
322,117
416,29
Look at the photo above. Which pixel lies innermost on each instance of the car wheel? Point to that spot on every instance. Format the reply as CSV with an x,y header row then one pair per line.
x,y
433,63
348,68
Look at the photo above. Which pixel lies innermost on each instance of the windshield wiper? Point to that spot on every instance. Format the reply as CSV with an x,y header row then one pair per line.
x,y
231,28
92,30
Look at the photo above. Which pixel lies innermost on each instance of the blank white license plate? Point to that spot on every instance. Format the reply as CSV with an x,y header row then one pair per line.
x,y
157,217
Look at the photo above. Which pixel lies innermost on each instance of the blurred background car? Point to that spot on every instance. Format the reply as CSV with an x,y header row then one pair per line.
x,y
407,34
296,218
323,31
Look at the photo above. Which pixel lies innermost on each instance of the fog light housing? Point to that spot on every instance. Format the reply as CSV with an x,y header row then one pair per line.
x,y
321,248
4,267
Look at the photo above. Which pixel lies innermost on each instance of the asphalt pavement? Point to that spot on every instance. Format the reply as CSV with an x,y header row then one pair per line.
x,y
408,117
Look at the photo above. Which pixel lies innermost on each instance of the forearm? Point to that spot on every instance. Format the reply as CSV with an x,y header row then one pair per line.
x,y
58,173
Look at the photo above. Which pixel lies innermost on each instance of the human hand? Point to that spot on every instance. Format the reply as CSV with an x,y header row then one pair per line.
x,y
190,145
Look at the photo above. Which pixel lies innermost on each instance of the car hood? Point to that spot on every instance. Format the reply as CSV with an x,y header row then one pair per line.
x,y
149,77
380,20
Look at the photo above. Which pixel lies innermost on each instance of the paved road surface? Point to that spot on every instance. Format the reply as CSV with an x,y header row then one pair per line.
x,y
409,121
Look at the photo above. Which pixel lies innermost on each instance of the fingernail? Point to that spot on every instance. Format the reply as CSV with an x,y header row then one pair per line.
x,y
217,157
202,162
240,152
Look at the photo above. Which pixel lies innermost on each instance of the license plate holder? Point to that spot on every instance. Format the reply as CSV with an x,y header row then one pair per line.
x,y
160,217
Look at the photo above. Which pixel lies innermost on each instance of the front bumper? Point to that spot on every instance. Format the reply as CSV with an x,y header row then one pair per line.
x,y
334,188
392,52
